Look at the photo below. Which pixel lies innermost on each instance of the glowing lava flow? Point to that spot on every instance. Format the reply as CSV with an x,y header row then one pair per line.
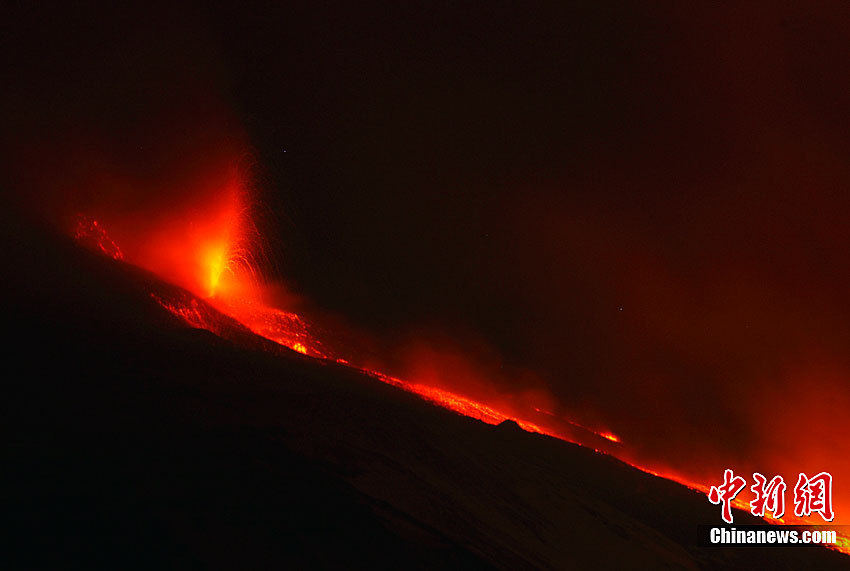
x,y
457,403
226,279
283,327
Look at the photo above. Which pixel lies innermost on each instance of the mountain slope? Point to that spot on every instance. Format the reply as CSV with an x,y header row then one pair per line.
x,y
137,442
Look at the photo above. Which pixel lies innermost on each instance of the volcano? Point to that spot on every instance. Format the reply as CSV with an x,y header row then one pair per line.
x,y
138,441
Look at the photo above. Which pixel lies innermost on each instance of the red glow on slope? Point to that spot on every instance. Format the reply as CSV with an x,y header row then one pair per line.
x,y
213,261
283,327
457,403
218,268
89,233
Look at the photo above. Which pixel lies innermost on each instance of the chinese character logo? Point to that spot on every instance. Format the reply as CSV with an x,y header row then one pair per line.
x,y
814,495
770,497
811,495
726,493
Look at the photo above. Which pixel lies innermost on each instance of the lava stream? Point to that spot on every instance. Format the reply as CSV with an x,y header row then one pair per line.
x,y
226,279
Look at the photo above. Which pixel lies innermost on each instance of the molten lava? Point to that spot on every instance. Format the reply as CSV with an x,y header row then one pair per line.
x,y
213,260
222,272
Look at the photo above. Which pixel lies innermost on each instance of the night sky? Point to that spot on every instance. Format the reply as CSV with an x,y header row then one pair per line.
x,y
639,210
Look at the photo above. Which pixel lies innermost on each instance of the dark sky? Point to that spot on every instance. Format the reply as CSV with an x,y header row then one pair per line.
x,y
645,204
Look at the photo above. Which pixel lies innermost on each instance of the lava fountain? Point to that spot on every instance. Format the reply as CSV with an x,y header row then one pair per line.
x,y
212,251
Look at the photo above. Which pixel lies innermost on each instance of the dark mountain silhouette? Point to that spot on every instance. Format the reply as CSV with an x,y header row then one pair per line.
x,y
133,441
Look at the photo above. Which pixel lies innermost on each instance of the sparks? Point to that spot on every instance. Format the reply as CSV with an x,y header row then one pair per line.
x,y
222,276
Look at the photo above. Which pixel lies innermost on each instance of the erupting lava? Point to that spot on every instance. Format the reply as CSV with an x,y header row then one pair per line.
x,y
214,261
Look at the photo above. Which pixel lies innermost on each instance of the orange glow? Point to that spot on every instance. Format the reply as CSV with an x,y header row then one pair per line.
x,y
456,403
225,278
215,259
607,435
212,261
203,245
843,544
283,327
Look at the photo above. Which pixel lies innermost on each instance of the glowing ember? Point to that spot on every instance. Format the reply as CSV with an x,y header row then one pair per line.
x,y
457,403
610,436
189,312
89,233
283,327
